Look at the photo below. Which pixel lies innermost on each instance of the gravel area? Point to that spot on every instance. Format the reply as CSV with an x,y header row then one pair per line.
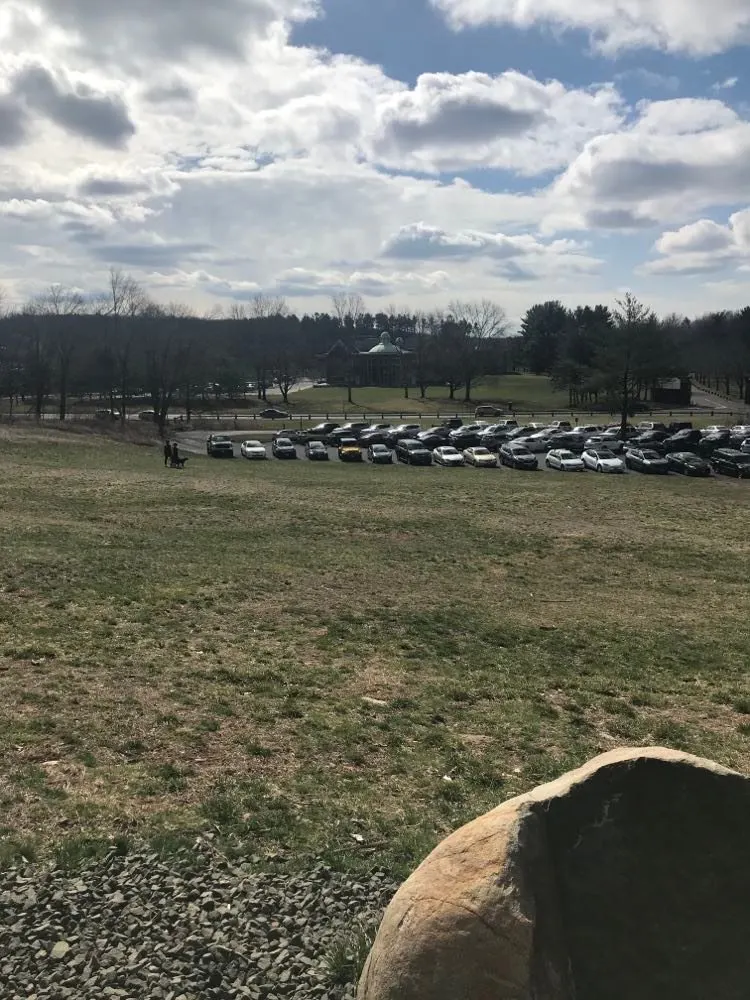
x,y
193,927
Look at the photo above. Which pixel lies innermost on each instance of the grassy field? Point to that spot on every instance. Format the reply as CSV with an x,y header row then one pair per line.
x,y
349,661
526,392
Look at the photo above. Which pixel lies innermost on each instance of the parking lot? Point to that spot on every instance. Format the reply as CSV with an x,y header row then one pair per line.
x,y
195,443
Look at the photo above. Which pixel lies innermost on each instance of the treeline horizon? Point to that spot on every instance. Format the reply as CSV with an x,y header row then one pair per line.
x,y
124,344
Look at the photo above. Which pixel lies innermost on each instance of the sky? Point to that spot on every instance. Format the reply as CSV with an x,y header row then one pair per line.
x,y
412,151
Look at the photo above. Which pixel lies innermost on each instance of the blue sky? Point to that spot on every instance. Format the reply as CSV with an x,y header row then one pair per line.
x,y
411,152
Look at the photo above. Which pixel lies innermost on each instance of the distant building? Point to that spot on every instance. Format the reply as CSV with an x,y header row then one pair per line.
x,y
385,364
673,392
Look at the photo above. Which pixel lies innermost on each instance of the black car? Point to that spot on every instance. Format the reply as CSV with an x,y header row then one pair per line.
x,y
684,440
273,413
711,442
321,431
282,447
434,437
680,425
469,436
316,451
453,423
413,452
646,460
730,462
688,464
492,439
375,435
350,430
219,446
568,441
380,454
296,436
402,433
517,456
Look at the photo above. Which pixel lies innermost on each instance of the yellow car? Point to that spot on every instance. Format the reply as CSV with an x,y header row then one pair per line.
x,y
349,450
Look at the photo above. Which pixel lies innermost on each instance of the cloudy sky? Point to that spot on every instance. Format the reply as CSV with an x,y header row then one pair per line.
x,y
413,151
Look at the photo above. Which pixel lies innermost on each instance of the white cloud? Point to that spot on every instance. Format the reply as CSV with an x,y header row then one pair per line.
x,y
515,257
472,120
693,26
677,158
703,246
729,84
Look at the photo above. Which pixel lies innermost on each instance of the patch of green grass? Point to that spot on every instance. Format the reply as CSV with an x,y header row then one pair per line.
x,y
346,956
183,653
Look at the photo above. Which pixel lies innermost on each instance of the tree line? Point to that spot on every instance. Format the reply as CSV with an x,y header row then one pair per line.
x,y
600,353
121,345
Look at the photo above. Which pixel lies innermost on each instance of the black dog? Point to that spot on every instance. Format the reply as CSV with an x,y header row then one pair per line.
x,y
178,463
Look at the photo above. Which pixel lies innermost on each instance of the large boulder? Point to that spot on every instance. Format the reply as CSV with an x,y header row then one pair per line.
x,y
628,879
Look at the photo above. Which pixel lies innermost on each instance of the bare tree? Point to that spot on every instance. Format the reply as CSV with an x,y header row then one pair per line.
x,y
478,323
167,347
348,308
58,310
264,306
123,301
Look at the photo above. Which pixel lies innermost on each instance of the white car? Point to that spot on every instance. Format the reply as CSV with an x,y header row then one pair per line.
x,y
564,461
447,455
536,442
252,450
602,460
741,430
481,457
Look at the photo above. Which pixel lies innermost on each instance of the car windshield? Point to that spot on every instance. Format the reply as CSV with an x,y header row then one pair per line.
x,y
317,446
567,456
603,453
742,459
284,442
520,450
253,444
481,452
448,451
379,447
415,446
220,439
347,442
651,456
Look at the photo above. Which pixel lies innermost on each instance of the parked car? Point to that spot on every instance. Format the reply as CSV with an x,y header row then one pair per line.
x,y
564,461
646,460
295,435
602,460
730,462
402,433
715,429
349,450
283,448
413,452
609,444
108,415
486,410
710,442
351,430
688,464
651,425
273,413
253,450
453,423
517,456
468,436
219,446
447,455
380,454
493,436
434,437
537,442
680,425
650,439
147,415
740,431
560,425
481,457
316,451
684,440
524,431
568,441
374,435
321,431
745,446
588,429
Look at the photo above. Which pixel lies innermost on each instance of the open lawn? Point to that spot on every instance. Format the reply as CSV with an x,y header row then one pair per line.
x,y
525,392
344,660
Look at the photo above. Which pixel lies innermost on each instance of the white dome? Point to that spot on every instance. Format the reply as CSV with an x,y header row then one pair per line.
x,y
385,346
